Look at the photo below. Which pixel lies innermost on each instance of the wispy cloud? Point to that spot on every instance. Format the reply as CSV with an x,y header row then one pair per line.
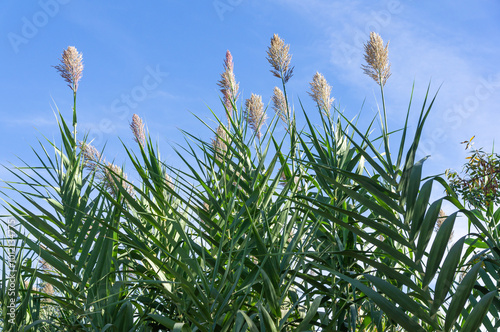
x,y
36,121
421,49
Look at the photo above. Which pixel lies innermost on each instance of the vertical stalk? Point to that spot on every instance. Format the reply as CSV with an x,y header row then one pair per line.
x,y
291,128
74,117
385,132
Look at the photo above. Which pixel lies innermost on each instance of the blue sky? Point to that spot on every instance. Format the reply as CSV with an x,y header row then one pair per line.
x,y
176,49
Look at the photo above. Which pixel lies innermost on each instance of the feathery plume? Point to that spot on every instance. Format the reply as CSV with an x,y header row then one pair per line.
x,y
219,143
284,179
280,58
91,156
462,272
440,220
254,113
228,85
137,127
94,162
112,171
44,265
71,67
48,289
321,93
280,105
27,284
377,58
169,181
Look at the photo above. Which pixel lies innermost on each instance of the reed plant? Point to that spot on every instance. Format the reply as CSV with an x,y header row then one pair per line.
x,y
315,229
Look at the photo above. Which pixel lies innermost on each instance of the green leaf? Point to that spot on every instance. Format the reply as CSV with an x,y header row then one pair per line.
x,y
166,322
447,275
438,247
402,299
310,314
460,297
181,327
416,215
428,227
412,186
248,320
389,308
268,321
477,315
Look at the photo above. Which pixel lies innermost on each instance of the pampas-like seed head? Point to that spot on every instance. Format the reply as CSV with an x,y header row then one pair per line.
x,y
321,93
377,59
112,171
254,113
137,127
48,289
280,105
228,85
219,143
441,218
44,265
169,181
104,170
91,156
71,67
280,58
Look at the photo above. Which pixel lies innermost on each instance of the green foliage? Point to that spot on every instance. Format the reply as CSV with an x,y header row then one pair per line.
x,y
481,183
314,230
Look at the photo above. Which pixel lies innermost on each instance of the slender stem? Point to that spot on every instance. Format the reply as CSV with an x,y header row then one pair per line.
x,y
291,128
385,131
74,117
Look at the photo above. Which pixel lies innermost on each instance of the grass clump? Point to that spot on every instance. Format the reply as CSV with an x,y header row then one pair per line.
x,y
313,230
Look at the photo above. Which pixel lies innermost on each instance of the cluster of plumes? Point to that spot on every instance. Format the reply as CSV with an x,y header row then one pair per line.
x,y
220,142
254,113
280,106
137,127
109,173
321,93
377,59
71,67
228,85
280,58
